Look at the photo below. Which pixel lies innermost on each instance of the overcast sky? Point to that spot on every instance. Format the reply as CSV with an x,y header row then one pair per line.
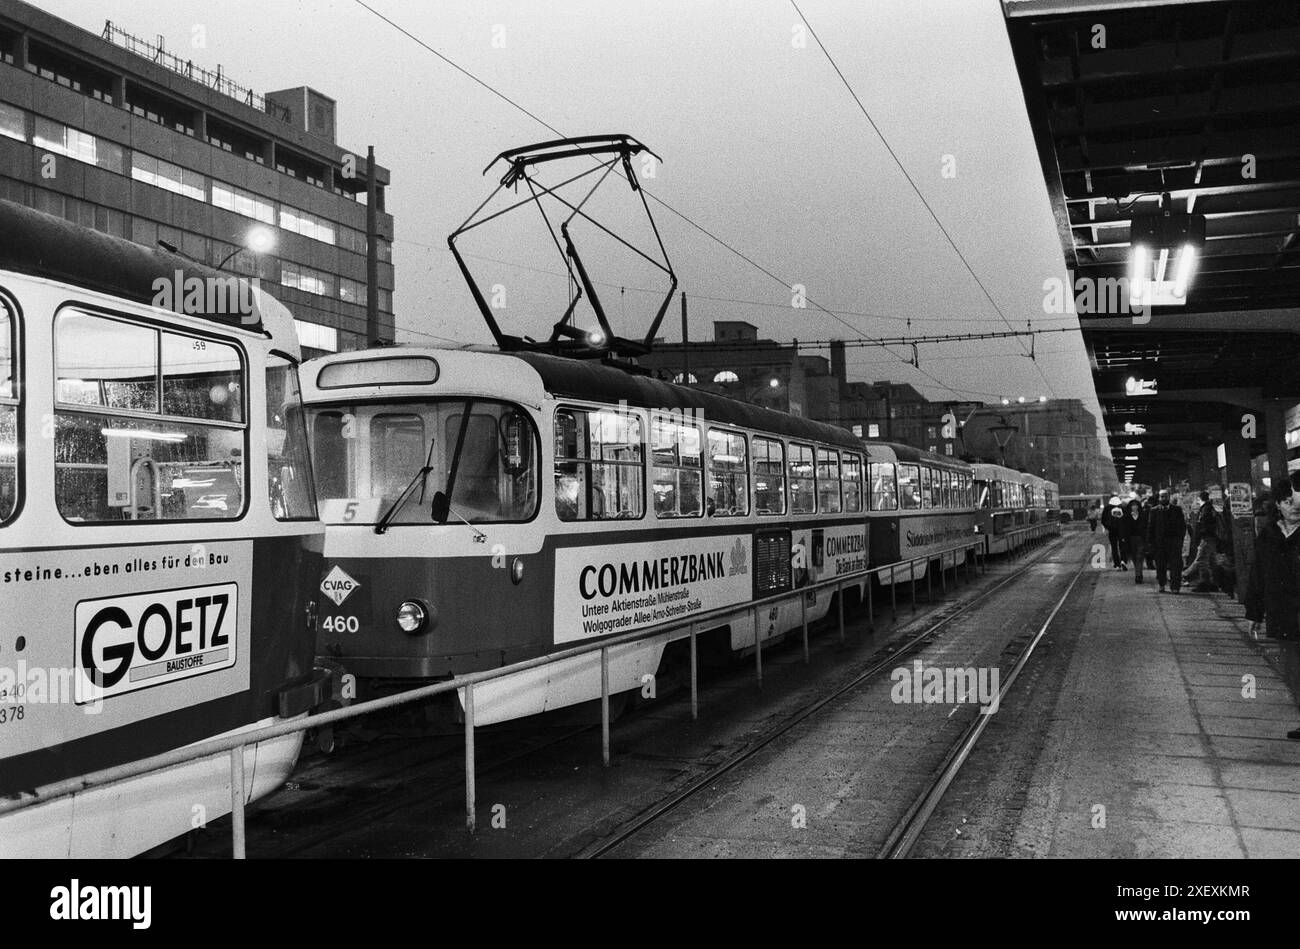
x,y
762,145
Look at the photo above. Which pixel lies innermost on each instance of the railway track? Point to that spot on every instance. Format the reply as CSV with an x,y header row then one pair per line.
x,y
904,836
392,780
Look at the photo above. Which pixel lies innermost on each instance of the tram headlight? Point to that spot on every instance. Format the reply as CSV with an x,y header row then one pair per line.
x,y
517,571
412,617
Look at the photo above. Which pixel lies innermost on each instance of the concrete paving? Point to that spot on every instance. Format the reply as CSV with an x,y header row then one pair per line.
x,y
1168,737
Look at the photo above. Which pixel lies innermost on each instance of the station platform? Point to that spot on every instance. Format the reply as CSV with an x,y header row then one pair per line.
x,y
1156,722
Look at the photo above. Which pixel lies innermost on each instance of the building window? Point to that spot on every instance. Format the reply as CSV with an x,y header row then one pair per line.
x,y
931,431
947,448
676,449
857,431
352,291
242,202
386,300
169,177
873,431
682,378
769,476
308,225
306,279
81,146
726,377
728,474
13,122
316,336
599,468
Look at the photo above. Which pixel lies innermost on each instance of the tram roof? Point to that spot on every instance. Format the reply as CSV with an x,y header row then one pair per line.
x,y
584,379
910,454
42,245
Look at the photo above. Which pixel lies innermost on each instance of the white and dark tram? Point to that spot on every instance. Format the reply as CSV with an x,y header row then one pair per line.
x,y
159,545
922,507
484,508
1009,501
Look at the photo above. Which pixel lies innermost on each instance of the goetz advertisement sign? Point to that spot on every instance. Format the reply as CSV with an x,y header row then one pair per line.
x,y
601,591
124,643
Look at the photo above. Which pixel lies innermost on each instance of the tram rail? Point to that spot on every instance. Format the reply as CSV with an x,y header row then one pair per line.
x,y
892,654
235,745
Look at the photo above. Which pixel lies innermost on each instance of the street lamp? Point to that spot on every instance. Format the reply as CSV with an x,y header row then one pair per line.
x,y
259,240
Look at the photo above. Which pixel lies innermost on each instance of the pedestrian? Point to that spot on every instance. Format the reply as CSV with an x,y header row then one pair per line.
x,y
1165,528
1094,515
1113,521
1205,541
1273,592
1135,535
1149,505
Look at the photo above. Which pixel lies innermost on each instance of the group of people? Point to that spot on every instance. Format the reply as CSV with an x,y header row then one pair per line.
x,y
1151,532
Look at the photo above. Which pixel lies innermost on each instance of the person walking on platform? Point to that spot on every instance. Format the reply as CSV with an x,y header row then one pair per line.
x,y
1148,505
1135,536
1165,529
1205,542
1113,521
1273,592
1094,515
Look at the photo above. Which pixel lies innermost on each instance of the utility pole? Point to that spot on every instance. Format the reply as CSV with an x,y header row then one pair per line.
x,y
372,251
686,349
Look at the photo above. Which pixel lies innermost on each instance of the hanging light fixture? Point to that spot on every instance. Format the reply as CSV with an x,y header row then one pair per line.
x,y
1165,247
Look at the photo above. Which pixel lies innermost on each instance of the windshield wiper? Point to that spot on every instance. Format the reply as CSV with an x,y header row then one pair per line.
x,y
396,506
442,500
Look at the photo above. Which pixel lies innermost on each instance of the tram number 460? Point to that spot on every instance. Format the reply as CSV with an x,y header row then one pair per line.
x,y
341,624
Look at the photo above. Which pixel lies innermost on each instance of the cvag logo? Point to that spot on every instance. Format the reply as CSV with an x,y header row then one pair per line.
x,y
337,585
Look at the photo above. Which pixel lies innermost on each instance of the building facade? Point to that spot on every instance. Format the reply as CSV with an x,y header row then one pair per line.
x,y
1056,439
120,135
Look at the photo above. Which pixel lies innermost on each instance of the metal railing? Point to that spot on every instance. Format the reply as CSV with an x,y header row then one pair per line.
x,y
155,53
235,745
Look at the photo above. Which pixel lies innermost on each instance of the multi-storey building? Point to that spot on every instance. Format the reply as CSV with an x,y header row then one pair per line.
x,y
123,136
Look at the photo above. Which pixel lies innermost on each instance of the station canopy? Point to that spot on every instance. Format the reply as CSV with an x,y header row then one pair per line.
x,y
1174,128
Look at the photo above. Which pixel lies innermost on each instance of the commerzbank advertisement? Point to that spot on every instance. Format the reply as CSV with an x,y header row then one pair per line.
x,y
603,591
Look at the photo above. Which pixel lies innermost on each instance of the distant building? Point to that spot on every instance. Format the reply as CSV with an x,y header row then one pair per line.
x,y
1056,439
738,364
123,136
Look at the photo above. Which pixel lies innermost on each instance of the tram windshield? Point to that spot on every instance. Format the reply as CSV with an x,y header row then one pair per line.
x,y
365,455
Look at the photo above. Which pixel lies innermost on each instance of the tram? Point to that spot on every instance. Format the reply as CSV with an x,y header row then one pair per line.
x,y
1003,507
159,545
921,505
483,508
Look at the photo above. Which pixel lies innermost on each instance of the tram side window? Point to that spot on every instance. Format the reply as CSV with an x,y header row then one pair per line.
x,y
884,493
769,476
123,451
599,465
828,481
927,487
8,416
852,483
728,474
983,489
803,493
677,450
947,489
909,487
288,462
